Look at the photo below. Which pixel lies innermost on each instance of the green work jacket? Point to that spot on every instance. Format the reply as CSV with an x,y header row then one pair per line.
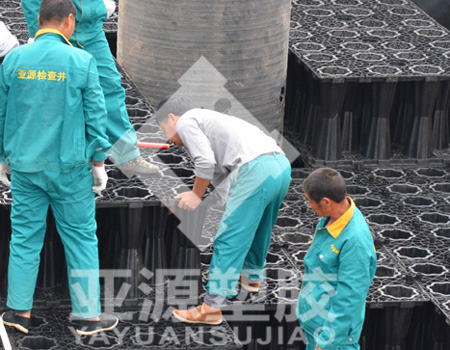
x,y
339,269
88,24
52,109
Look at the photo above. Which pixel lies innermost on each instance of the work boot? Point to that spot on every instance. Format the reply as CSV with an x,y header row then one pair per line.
x,y
140,166
10,318
107,322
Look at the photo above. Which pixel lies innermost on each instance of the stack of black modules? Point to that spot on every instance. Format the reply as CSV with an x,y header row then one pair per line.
x,y
408,303
368,84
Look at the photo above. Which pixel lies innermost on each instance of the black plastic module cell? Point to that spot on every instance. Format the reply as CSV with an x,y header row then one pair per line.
x,y
38,342
133,222
441,123
155,259
392,62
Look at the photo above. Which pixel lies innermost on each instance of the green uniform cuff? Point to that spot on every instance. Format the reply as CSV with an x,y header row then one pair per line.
x,y
99,156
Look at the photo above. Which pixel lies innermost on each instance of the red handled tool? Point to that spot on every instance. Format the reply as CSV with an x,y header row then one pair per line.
x,y
153,145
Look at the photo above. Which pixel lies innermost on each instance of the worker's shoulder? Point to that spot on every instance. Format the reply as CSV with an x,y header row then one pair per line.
x,y
78,52
203,114
190,116
16,55
75,57
59,50
358,231
194,112
358,222
19,50
199,117
41,56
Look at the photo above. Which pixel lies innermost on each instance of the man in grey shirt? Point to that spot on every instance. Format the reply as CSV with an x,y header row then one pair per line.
x,y
228,150
7,41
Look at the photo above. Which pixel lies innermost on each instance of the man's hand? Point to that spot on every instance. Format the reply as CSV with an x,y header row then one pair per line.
x,y
3,171
318,347
100,178
188,200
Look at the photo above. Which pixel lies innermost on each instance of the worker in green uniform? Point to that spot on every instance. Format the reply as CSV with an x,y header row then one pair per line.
x,y
52,134
89,35
339,266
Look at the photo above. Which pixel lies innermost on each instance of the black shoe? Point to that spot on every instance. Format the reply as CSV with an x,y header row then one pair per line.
x,y
106,323
19,322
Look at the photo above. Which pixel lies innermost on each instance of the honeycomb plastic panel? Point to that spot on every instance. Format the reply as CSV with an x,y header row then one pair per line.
x,y
54,331
368,40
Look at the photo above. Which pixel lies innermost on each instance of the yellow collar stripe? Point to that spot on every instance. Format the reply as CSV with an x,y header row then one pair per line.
x,y
336,227
54,31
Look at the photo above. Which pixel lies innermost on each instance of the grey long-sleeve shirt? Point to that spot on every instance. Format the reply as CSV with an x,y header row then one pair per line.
x,y
7,40
219,143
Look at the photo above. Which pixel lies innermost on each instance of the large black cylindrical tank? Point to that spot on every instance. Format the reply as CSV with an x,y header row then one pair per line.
x,y
210,48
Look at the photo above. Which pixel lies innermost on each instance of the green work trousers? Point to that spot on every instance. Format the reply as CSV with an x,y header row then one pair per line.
x,y
73,205
244,235
312,344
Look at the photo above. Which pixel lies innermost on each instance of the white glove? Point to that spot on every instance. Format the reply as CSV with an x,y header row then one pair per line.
x,y
30,40
3,170
100,178
110,7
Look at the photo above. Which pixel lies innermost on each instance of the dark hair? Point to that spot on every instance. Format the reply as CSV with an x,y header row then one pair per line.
x,y
177,105
56,10
325,182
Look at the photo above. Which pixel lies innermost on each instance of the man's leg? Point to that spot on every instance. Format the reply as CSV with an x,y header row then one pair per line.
x,y
311,345
118,128
28,222
245,207
73,206
278,170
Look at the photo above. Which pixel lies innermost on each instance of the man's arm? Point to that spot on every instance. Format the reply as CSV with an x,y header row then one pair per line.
x,y
3,103
198,146
7,40
200,186
204,161
95,116
192,199
31,12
